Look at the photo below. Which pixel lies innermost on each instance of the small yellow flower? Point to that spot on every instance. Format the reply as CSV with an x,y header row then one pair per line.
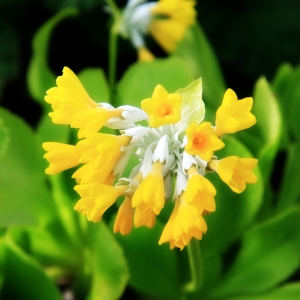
x,y
163,108
171,18
145,55
200,192
146,196
144,218
234,115
61,156
96,199
124,219
235,171
68,99
202,141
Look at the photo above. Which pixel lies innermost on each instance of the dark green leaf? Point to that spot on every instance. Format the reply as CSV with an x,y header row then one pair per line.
x,y
153,268
40,78
141,78
269,254
199,56
24,197
23,278
107,262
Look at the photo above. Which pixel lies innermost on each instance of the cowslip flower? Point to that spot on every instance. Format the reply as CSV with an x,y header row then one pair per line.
x,y
165,20
175,150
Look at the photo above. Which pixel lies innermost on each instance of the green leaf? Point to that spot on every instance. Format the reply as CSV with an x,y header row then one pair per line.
x,y
21,271
4,139
109,267
234,211
94,81
289,193
270,253
24,198
289,291
141,78
39,77
192,107
200,58
153,268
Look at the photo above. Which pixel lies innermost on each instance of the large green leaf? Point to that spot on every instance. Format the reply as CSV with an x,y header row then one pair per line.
x,y
23,278
289,291
153,268
269,254
234,211
141,78
199,56
24,197
40,78
95,83
107,262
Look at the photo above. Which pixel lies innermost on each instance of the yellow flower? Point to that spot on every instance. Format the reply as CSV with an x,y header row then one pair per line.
x,y
234,115
68,99
183,225
61,156
123,222
235,171
145,55
150,193
171,18
92,120
103,150
144,218
163,108
202,141
200,192
96,199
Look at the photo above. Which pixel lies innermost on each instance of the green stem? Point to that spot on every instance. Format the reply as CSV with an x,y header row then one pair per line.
x,y
113,39
195,261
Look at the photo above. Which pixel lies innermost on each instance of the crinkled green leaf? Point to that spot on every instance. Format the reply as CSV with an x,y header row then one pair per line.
x,y
141,78
199,56
95,83
40,78
192,107
23,278
107,262
234,211
24,197
269,254
289,291
153,268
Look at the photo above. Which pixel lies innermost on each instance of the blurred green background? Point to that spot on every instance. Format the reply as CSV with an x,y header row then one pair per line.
x,y
251,38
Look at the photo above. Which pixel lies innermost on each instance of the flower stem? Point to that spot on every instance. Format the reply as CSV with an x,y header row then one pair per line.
x,y
113,39
196,267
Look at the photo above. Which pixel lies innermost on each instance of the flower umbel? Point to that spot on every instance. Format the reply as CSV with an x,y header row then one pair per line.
x,y
173,156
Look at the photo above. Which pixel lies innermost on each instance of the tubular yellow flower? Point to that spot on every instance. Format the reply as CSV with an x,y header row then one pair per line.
x,y
163,108
200,192
102,149
124,219
144,218
171,18
146,196
145,55
92,120
61,156
96,199
234,115
235,171
68,99
202,141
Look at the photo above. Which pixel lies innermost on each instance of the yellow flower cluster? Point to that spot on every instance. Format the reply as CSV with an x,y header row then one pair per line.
x,y
166,154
